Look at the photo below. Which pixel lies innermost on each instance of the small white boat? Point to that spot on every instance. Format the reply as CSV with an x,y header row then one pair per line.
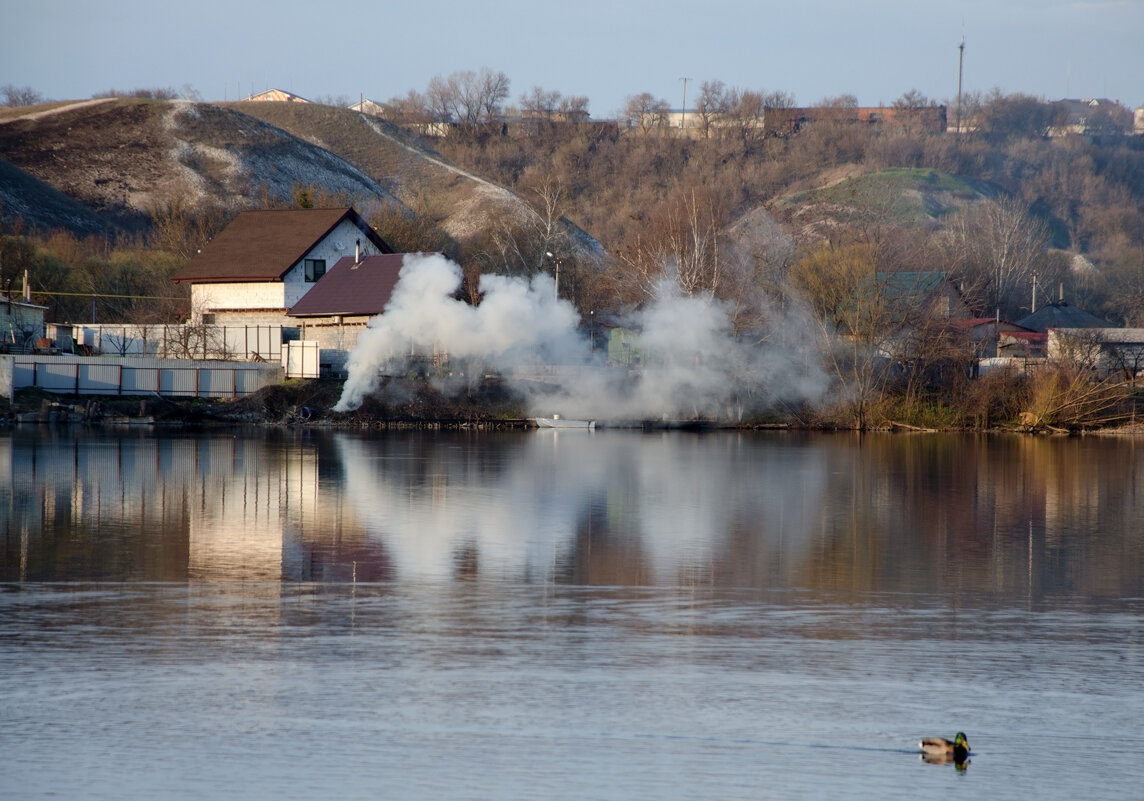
x,y
556,421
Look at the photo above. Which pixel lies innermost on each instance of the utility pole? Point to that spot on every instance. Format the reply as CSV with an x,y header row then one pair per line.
x,y
683,116
555,274
960,61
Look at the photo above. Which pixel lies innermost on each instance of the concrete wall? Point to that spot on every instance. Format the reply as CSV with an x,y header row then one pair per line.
x,y
101,375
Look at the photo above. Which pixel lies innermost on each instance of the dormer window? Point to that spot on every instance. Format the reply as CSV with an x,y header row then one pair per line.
x,y
315,269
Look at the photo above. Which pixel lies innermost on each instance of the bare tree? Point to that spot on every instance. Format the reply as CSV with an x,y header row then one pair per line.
x,y
413,108
538,102
1017,116
550,230
881,332
778,99
745,110
575,107
181,227
552,105
158,93
493,88
679,239
840,287
909,107
20,95
468,97
337,101
1001,246
646,113
711,105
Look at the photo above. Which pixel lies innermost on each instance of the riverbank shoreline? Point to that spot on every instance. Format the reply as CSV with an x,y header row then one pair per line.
x,y
404,407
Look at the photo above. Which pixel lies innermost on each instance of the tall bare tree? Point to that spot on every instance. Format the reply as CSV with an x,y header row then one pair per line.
x,y
468,97
1000,246
711,106
680,240
646,113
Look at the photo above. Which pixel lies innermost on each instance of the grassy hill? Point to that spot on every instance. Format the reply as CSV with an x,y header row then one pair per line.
x,y
119,158
903,197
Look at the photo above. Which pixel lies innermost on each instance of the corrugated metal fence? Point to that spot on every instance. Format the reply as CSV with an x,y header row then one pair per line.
x,y
102,375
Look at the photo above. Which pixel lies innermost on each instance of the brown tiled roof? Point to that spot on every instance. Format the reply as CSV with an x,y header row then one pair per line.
x,y
352,290
263,245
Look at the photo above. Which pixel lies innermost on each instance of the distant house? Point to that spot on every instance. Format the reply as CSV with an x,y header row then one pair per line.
x,y
985,335
1022,344
340,306
1092,117
1109,351
264,262
912,295
21,325
276,96
624,347
366,106
1060,315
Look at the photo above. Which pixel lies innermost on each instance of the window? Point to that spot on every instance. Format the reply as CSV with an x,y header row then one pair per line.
x,y
315,269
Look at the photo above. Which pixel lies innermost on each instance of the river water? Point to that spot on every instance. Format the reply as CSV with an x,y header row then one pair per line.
x,y
569,615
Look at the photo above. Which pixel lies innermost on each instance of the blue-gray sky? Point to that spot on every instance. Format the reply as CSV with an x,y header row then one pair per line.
x,y
606,50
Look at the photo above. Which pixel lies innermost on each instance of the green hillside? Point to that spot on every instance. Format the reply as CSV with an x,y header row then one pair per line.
x,y
895,196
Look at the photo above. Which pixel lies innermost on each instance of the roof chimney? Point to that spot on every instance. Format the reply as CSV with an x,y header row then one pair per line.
x,y
357,252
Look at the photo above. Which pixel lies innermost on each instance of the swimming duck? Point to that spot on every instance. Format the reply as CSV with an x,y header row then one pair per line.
x,y
957,749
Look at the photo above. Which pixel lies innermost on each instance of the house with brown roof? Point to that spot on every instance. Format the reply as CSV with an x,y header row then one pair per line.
x,y
340,306
266,261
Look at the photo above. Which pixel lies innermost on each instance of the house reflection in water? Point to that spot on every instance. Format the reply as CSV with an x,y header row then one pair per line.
x,y
266,510
141,507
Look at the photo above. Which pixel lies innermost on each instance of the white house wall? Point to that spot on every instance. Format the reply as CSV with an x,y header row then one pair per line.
x,y
207,298
342,241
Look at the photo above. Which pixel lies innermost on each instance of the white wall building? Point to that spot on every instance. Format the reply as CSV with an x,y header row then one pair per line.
x,y
266,261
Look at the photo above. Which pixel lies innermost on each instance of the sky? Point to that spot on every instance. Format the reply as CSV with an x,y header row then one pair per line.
x,y
606,50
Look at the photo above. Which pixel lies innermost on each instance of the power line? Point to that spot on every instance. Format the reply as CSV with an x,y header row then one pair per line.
x,y
101,295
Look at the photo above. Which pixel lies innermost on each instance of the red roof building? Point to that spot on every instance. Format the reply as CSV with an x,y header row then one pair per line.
x,y
353,288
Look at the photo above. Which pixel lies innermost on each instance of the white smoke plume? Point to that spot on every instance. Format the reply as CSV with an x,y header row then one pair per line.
x,y
692,367
515,320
